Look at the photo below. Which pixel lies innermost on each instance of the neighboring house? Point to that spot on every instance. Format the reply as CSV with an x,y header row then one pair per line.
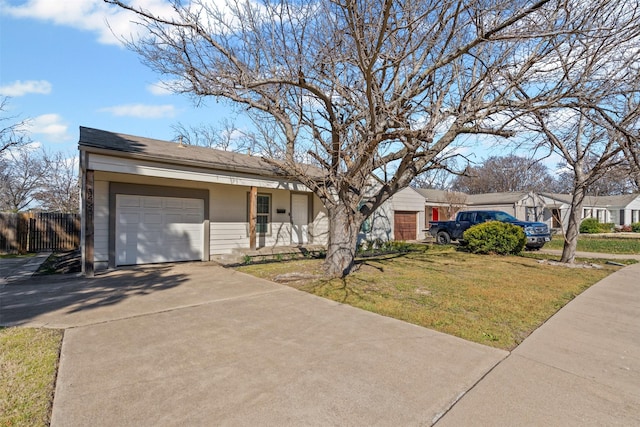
x,y
527,206
620,210
147,201
551,209
441,205
399,218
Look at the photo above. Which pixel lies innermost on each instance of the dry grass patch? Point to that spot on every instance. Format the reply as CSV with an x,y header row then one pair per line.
x,y
493,300
28,366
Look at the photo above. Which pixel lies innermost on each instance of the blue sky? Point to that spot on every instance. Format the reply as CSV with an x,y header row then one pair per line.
x,y
62,68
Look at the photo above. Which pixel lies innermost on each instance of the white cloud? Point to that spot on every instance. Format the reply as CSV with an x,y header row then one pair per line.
x,y
142,111
111,23
159,89
50,125
90,15
21,88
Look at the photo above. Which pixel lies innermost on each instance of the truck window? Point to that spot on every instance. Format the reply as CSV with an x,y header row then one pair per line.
x,y
464,216
505,217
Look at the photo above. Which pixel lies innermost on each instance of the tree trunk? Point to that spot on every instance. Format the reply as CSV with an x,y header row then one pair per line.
x,y
343,238
573,226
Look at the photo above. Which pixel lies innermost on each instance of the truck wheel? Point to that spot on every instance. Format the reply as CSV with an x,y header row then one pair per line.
x,y
443,238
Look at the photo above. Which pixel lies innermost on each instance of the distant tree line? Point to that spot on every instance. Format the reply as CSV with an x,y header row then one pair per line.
x,y
512,173
32,179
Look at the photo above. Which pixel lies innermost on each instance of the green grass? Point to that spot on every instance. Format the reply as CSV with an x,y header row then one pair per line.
x,y
28,366
607,245
493,300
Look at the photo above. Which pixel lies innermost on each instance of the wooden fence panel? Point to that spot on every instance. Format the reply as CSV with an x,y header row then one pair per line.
x,y
9,233
36,232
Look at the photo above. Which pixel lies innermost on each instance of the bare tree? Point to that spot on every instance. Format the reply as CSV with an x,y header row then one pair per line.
x,y
456,201
616,181
624,123
12,130
20,179
225,136
59,189
362,88
505,174
588,124
437,179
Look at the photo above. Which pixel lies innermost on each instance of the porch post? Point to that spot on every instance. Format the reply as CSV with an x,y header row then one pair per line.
x,y
87,226
253,216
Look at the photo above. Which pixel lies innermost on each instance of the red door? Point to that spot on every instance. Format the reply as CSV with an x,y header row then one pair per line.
x,y
435,214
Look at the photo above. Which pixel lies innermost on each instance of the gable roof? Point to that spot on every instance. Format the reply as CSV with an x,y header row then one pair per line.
x,y
621,200
495,198
617,201
112,143
441,196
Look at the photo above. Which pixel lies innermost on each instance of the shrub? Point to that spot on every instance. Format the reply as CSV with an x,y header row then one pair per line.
x,y
495,237
607,227
590,226
635,227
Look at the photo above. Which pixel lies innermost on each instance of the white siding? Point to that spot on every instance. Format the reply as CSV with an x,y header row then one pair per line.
x,y
381,223
229,224
152,169
319,223
408,199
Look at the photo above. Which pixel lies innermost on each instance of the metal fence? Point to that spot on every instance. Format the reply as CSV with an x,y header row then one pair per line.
x,y
36,232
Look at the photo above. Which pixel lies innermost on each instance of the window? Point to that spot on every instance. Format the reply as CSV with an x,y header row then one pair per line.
x,y
464,216
505,217
264,213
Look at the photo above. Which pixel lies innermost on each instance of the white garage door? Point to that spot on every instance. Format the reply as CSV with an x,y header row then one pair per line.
x,y
158,229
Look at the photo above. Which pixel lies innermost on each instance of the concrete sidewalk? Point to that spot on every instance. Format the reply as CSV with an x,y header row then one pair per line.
x,y
581,368
16,269
581,254
198,344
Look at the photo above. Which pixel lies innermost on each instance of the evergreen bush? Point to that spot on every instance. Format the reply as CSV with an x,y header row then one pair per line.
x,y
635,227
495,237
590,226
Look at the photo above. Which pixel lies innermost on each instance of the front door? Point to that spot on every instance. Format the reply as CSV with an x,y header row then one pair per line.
x,y
299,219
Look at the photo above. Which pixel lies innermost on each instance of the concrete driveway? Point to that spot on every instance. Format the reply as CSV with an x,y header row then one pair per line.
x,y
197,344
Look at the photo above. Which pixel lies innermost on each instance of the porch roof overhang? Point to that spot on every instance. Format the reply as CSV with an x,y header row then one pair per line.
x,y
145,156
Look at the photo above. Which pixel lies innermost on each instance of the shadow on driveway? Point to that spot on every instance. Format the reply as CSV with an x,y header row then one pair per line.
x,y
38,300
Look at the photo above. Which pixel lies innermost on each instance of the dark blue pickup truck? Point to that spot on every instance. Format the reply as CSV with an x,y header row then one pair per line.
x,y
445,231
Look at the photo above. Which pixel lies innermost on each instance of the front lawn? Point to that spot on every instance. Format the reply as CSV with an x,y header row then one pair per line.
x,y
606,245
493,300
28,367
